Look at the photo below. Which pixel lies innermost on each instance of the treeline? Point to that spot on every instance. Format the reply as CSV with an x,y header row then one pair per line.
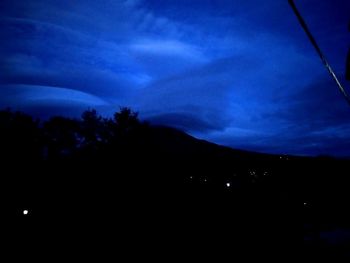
x,y
23,137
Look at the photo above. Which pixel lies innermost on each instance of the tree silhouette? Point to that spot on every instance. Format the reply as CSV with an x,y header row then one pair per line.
x,y
20,136
126,120
62,137
91,128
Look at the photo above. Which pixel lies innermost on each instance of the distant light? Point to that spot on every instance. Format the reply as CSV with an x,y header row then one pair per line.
x,y
25,212
305,204
228,184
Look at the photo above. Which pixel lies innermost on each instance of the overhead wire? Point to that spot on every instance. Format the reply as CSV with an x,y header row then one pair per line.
x,y
314,43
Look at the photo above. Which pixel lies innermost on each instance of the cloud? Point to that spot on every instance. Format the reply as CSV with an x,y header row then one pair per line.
x,y
315,106
202,92
169,49
230,89
31,94
44,101
313,120
51,55
103,83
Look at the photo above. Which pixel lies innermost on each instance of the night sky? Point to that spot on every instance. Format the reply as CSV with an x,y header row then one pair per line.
x,y
238,73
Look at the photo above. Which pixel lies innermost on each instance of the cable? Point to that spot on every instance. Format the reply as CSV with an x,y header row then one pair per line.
x,y
314,43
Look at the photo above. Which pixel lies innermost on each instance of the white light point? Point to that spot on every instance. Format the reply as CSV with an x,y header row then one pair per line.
x,y
228,184
25,212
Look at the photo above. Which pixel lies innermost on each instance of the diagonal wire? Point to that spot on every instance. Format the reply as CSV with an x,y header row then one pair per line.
x,y
314,43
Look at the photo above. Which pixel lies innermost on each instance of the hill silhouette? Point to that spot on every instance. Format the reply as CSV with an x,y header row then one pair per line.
x,y
121,175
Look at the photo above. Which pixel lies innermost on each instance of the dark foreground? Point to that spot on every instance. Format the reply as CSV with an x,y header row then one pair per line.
x,y
157,193
172,209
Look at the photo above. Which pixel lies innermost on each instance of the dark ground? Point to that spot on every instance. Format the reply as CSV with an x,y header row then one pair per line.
x,y
162,194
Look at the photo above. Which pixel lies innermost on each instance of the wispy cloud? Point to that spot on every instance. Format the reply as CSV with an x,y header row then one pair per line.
x,y
169,49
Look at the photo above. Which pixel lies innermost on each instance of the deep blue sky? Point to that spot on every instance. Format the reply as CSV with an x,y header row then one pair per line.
x,y
238,73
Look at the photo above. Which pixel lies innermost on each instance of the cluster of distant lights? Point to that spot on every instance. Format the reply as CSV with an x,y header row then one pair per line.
x,y
227,184
284,157
252,173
